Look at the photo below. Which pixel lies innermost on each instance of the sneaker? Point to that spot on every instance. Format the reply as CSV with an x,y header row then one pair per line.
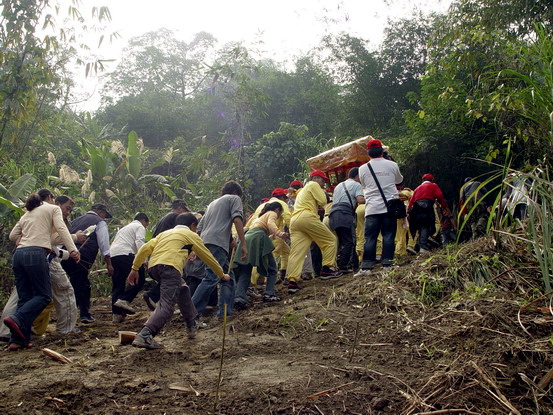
x,y
117,318
270,298
347,270
306,276
192,331
87,319
149,302
390,266
411,251
328,273
146,342
124,305
423,251
362,273
293,287
239,306
252,292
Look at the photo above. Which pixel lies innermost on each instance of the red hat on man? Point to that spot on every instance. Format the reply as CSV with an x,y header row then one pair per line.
x,y
279,192
296,184
320,173
427,177
374,143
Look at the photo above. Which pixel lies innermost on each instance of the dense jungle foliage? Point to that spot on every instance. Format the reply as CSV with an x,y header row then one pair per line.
x,y
460,94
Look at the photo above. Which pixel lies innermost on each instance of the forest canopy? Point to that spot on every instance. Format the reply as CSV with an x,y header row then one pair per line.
x,y
179,117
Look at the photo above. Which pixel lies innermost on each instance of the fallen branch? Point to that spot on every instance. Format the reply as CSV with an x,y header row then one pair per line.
x,y
57,356
326,392
180,388
498,395
354,342
375,344
546,379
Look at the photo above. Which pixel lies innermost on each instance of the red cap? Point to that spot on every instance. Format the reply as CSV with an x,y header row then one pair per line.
x,y
296,184
279,192
374,143
427,177
320,173
265,200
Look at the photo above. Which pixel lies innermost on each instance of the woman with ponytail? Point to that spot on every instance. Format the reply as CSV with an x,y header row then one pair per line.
x,y
260,255
33,238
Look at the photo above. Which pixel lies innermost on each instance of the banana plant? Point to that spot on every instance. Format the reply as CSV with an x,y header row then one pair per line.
x,y
13,197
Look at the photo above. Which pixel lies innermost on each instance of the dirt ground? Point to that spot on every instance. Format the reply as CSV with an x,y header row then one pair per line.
x,y
345,346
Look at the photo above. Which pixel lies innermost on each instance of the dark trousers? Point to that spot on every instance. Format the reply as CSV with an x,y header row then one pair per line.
x,y
211,281
424,234
243,275
122,265
78,275
153,293
173,291
374,225
346,246
32,280
316,258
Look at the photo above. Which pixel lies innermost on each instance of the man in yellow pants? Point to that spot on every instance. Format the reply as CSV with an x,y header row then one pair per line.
x,y
306,227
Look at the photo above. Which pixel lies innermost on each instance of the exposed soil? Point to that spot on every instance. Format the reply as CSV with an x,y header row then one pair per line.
x,y
366,346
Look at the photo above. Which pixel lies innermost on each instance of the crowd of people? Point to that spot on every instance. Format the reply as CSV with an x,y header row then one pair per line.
x,y
219,256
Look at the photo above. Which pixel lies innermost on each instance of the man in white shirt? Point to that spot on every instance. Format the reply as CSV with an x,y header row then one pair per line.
x,y
124,247
377,219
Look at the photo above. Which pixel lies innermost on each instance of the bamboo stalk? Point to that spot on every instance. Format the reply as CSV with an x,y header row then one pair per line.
x,y
222,356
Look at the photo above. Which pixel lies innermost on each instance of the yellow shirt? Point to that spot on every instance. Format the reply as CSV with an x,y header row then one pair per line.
x,y
309,199
268,222
172,248
284,219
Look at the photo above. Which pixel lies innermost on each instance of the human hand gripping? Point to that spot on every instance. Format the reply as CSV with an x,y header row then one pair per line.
x,y
76,256
226,277
81,236
133,277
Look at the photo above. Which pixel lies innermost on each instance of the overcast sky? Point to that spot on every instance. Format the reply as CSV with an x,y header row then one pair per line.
x,y
286,28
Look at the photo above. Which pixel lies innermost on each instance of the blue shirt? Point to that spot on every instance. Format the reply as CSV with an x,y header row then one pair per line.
x,y
340,196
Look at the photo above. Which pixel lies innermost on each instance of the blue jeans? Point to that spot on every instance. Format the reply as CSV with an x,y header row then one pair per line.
x,y
210,281
244,274
32,280
374,225
424,234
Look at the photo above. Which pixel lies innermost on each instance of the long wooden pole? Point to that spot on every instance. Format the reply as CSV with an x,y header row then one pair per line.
x,y
224,336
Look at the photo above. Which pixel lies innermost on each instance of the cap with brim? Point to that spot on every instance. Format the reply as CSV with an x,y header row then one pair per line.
x,y
279,192
374,143
296,183
427,177
100,206
320,173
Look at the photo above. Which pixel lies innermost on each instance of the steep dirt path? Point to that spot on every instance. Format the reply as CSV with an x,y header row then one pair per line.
x,y
366,345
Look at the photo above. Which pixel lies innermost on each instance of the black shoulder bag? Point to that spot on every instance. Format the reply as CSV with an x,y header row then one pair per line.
x,y
396,207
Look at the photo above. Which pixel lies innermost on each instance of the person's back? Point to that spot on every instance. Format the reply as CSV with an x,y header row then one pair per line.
x,y
388,175
215,226
36,227
309,200
215,230
165,223
379,187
